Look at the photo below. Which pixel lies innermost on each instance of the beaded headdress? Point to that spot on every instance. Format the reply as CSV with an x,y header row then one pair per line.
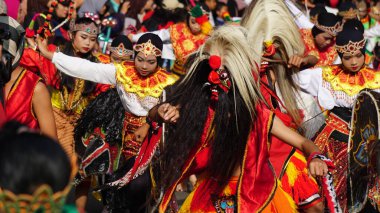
x,y
349,14
148,49
42,200
88,28
333,30
351,47
121,51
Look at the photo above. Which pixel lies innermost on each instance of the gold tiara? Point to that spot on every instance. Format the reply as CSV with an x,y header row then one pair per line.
x,y
349,14
43,197
148,49
351,47
121,51
333,30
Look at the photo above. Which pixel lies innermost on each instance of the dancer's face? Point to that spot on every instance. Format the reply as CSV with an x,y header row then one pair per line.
x,y
195,28
83,42
145,65
353,63
61,11
323,40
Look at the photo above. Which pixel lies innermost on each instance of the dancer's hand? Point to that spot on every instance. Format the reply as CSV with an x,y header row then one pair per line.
x,y
43,47
168,113
317,168
296,61
141,132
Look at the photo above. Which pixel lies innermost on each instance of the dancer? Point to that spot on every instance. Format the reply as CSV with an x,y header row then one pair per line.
x,y
139,86
222,133
336,88
24,97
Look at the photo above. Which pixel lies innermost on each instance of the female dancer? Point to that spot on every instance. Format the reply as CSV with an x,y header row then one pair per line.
x,y
69,95
336,88
139,86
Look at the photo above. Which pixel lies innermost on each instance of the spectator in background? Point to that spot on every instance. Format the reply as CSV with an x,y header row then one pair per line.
x,y
91,6
221,12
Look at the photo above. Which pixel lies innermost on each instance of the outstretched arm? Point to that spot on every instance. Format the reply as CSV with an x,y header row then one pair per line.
x,y
317,167
78,67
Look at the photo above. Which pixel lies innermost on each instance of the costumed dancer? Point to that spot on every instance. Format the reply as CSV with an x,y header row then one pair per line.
x,y
279,45
102,119
336,88
24,97
69,95
222,133
319,38
139,86
185,38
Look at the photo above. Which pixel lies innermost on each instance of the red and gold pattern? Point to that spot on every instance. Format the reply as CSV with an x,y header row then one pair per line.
x,y
351,82
151,85
131,124
184,43
337,152
326,57
257,182
18,105
103,58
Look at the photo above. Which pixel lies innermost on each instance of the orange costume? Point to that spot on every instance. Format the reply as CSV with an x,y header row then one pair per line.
x,y
326,57
18,104
184,43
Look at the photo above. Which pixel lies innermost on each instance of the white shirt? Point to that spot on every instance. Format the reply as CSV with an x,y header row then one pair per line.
x,y
105,74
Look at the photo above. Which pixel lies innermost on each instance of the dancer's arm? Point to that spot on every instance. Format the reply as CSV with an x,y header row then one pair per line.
x,y
43,111
78,67
316,167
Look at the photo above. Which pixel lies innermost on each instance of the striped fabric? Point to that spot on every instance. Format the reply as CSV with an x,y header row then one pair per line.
x,y
14,45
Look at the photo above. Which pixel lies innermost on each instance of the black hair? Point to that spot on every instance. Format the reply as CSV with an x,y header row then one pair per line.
x,y
156,41
349,33
122,39
319,8
68,81
107,112
324,19
228,139
28,160
220,5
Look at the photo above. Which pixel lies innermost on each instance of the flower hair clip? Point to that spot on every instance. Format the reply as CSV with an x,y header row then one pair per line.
x,y
218,77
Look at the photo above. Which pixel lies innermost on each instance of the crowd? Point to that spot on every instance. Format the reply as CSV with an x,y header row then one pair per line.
x,y
247,105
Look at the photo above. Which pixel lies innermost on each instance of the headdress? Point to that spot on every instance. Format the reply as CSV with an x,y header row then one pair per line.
x,y
270,21
348,10
43,198
201,16
121,46
350,40
90,28
13,41
149,44
92,16
329,23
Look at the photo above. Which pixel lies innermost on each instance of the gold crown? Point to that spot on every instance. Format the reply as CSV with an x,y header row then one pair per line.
x,y
349,14
88,28
42,198
121,51
351,47
148,49
333,30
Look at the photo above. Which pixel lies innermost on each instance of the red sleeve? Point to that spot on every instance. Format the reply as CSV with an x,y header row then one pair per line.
x,y
34,62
